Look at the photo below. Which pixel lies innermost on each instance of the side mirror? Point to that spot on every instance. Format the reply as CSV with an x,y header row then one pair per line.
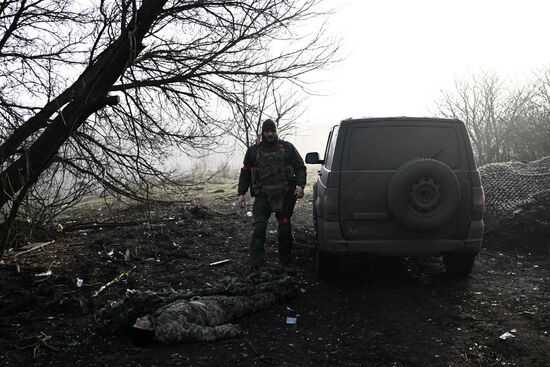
x,y
313,158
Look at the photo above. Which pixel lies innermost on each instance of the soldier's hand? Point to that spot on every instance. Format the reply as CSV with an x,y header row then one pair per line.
x,y
241,201
299,192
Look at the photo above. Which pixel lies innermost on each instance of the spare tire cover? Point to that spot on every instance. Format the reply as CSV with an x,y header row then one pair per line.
x,y
423,193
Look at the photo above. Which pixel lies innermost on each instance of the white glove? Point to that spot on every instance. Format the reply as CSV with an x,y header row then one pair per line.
x,y
241,201
299,192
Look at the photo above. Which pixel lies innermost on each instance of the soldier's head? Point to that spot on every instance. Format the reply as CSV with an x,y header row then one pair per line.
x,y
269,130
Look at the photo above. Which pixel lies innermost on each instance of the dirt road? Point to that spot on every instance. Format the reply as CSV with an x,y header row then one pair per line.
x,y
374,312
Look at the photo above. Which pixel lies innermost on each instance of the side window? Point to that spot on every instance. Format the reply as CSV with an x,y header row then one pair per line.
x,y
331,147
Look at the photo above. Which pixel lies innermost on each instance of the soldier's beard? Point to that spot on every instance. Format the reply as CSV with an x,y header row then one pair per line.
x,y
270,138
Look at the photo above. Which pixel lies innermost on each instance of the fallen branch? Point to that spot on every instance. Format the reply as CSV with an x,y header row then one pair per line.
x,y
32,247
97,225
221,262
115,280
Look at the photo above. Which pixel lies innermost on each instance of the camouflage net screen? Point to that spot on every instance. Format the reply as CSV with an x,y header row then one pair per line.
x,y
517,204
511,185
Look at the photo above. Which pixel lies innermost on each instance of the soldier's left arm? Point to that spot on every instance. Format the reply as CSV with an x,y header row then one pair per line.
x,y
299,167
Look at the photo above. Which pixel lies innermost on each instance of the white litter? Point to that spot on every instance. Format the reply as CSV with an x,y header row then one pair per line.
x,y
79,282
506,336
291,320
45,274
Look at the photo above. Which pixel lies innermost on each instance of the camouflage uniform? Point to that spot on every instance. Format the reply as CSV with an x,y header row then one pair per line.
x,y
197,315
205,318
272,171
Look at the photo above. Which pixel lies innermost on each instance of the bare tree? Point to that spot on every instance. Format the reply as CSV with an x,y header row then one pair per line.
x,y
262,99
172,63
481,103
504,122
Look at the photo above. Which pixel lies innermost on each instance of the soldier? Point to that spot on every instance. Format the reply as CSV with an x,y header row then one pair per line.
x,y
276,175
168,318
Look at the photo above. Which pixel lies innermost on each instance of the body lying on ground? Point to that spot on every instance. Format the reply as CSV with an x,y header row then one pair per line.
x,y
202,315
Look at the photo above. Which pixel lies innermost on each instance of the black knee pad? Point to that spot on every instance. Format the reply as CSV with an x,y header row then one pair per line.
x,y
259,229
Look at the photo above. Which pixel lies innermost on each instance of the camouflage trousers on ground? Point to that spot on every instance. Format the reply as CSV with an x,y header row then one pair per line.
x,y
262,211
205,318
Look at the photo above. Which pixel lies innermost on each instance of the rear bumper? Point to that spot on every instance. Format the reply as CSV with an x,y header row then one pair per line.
x,y
331,240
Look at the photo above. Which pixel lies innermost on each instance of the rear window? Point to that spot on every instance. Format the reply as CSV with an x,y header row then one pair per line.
x,y
388,147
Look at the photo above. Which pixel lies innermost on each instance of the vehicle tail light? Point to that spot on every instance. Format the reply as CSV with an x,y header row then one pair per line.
x,y
478,199
331,203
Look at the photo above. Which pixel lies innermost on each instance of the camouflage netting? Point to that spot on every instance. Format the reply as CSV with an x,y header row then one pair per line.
x,y
517,204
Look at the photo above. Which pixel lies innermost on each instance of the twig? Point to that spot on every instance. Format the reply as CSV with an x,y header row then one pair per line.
x,y
115,280
35,246
97,225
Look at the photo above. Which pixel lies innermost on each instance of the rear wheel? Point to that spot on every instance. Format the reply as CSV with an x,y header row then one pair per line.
x,y
459,264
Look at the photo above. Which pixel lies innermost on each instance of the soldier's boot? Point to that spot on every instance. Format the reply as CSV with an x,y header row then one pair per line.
x,y
285,246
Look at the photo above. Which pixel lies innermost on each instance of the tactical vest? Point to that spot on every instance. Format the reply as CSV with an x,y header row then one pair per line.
x,y
271,176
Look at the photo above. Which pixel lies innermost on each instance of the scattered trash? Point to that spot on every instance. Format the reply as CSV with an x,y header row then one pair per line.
x,y
79,282
291,320
45,274
73,343
506,336
248,214
59,228
221,262
110,253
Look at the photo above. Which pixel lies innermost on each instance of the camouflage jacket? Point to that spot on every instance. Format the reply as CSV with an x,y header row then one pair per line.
x,y
291,158
206,318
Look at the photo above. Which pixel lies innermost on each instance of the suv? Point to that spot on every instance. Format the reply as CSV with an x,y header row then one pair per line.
x,y
398,186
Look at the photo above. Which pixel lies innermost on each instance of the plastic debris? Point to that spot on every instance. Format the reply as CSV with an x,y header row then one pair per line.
x,y
290,320
73,343
110,253
506,336
44,274
79,282
59,228
248,214
221,262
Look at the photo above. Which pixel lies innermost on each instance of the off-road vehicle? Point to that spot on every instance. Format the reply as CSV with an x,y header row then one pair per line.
x,y
398,186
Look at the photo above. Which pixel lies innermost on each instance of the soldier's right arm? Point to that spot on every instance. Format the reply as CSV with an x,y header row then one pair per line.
x,y
245,176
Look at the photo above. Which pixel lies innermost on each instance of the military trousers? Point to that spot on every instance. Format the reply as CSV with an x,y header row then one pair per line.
x,y
262,211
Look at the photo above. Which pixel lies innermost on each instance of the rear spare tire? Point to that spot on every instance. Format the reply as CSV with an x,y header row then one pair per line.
x,y
423,193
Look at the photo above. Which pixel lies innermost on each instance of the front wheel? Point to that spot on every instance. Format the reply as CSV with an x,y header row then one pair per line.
x,y
459,264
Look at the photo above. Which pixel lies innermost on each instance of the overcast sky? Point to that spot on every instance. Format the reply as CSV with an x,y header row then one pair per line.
x,y
402,53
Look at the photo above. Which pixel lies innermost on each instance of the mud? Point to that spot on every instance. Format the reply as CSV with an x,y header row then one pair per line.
x,y
375,312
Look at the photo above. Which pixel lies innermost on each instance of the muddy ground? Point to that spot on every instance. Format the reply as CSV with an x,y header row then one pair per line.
x,y
377,312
